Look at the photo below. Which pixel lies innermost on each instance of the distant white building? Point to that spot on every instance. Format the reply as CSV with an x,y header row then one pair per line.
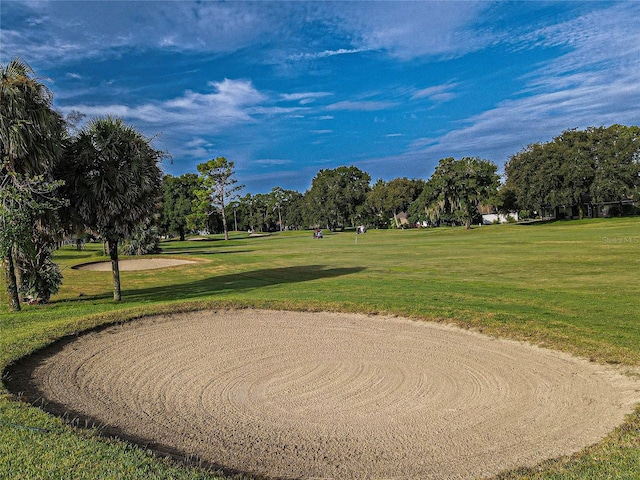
x,y
491,218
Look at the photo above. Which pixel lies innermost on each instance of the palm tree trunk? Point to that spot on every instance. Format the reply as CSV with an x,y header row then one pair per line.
x,y
11,283
115,269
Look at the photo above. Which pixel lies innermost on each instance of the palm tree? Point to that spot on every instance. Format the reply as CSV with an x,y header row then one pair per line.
x,y
113,180
31,138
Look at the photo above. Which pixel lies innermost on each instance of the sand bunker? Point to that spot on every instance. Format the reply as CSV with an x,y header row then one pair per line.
x,y
308,395
135,264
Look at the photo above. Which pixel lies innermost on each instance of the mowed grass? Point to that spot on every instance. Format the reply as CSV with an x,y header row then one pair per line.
x,y
572,286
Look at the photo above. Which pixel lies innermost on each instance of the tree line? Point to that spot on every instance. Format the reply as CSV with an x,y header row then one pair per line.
x,y
104,182
338,198
579,173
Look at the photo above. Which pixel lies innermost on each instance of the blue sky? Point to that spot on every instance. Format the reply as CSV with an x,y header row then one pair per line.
x,y
285,89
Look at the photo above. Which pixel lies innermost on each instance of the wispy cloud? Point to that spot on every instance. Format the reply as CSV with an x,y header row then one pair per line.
x,y
596,82
326,53
437,93
269,162
435,28
304,98
362,106
98,29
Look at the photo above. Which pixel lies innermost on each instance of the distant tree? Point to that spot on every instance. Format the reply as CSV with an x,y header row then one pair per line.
x,y
337,196
457,187
113,181
31,140
506,200
284,205
292,209
577,168
219,185
177,202
401,192
263,215
376,203
276,200
387,199
616,156
243,208
422,209
530,174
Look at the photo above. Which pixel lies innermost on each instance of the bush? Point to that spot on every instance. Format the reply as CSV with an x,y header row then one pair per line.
x,y
145,241
39,276
39,282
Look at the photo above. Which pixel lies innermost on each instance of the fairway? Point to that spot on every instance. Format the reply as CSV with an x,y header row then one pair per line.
x,y
303,395
568,287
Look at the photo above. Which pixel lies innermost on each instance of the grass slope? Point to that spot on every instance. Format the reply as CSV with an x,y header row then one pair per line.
x,y
571,286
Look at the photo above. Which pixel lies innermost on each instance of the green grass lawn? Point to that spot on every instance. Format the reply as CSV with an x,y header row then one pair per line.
x,y
572,286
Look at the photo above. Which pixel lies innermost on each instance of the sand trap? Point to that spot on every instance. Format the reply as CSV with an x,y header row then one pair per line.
x,y
320,395
134,264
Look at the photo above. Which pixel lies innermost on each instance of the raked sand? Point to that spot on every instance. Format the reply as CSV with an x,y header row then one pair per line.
x,y
324,395
134,264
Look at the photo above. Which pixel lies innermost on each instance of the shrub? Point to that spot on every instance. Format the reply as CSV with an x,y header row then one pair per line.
x,y
145,241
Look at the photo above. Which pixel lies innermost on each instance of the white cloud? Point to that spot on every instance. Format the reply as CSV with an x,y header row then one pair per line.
x,y
596,82
198,142
305,97
437,93
272,161
363,106
414,29
88,29
93,29
326,53
232,102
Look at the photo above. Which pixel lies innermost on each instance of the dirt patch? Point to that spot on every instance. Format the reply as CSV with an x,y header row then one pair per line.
x,y
135,264
310,395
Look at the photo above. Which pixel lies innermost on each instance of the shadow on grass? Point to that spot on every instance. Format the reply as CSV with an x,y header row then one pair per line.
x,y
237,282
